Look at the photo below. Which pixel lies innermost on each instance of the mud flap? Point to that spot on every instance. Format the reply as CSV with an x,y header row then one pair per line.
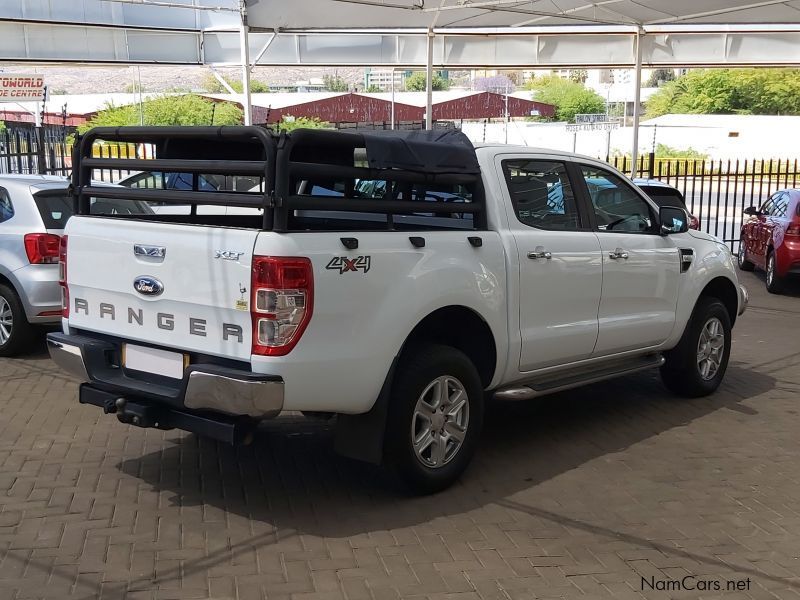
x,y
361,436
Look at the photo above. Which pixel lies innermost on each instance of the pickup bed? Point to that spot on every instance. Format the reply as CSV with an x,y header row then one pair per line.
x,y
392,280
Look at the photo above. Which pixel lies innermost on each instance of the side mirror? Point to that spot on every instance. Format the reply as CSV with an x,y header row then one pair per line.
x,y
673,220
751,210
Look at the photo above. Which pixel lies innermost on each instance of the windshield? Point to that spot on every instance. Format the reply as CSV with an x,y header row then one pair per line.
x,y
56,207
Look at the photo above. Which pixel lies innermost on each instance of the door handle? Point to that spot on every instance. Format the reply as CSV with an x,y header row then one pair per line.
x,y
619,253
540,252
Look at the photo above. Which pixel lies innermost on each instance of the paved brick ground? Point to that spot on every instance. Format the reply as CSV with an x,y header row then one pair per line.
x,y
583,495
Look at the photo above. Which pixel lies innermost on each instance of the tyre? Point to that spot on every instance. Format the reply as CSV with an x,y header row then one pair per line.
x,y
744,264
774,283
435,417
15,331
696,366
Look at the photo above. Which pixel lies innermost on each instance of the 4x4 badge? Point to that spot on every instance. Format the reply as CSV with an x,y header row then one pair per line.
x,y
344,264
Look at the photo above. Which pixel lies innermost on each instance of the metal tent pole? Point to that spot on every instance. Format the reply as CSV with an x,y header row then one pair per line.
x,y
244,43
429,83
391,115
637,108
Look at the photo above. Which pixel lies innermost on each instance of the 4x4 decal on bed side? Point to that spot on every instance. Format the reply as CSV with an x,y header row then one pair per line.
x,y
344,264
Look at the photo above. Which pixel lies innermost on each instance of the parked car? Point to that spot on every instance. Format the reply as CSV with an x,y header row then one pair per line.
x,y
33,212
186,181
391,312
770,238
664,194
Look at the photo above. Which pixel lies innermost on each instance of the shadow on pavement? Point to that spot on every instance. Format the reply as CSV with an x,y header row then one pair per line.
x,y
291,470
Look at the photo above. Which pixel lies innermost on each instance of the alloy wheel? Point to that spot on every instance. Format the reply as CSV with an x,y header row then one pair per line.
x,y
6,321
770,269
439,422
710,348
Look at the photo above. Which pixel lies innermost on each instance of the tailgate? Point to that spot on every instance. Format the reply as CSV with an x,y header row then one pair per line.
x,y
178,286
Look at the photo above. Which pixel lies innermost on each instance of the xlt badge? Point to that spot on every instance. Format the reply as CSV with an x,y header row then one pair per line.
x,y
227,254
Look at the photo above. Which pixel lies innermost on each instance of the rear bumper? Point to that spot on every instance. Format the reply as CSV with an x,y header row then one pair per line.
x,y
204,387
40,293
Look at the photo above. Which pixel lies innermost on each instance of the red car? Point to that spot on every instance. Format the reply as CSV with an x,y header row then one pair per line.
x,y
771,238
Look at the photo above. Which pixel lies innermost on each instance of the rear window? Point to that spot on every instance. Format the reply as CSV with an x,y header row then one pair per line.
x,y
159,180
665,196
56,208
382,190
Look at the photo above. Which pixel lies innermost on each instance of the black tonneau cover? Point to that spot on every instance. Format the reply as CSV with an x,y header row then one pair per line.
x,y
435,151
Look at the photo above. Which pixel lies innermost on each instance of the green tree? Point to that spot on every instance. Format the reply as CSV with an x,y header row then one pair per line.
x,y
373,89
659,77
578,75
729,91
417,82
212,85
189,109
290,123
335,83
569,98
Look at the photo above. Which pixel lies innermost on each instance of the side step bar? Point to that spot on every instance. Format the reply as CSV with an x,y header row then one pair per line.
x,y
559,382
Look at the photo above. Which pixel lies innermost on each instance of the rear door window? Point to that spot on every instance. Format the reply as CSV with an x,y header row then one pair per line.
x,y
541,194
6,208
781,206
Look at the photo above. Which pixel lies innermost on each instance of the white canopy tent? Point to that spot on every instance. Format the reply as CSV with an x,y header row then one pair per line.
x,y
404,33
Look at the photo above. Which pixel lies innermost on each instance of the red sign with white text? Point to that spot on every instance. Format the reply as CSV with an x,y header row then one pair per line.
x,y
16,88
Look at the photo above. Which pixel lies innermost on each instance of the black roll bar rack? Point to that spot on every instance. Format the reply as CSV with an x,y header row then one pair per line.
x,y
407,158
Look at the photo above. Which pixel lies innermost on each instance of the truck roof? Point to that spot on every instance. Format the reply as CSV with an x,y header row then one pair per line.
x,y
531,150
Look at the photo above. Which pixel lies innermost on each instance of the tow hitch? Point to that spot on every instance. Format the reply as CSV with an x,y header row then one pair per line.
x,y
147,414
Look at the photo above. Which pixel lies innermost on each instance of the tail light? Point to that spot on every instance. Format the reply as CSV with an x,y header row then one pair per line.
x,y
281,303
42,248
793,229
62,277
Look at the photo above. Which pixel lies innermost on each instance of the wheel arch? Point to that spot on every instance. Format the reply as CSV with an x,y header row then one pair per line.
x,y
461,328
724,290
6,281
361,436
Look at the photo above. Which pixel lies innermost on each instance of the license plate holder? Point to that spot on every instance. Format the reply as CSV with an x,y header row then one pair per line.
x,y
154,361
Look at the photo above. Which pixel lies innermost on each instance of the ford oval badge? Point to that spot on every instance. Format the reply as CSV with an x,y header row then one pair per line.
x,y
148,286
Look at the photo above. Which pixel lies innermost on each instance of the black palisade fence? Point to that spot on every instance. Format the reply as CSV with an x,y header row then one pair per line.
x,y
32,150
718,191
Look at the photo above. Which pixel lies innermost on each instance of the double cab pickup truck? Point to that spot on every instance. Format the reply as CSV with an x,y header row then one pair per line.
x,y
392,281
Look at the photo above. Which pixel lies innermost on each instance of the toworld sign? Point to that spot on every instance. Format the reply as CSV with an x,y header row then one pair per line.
x,y
15,87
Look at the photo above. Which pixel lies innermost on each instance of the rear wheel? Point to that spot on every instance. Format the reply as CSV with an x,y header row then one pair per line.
x,y
15,331
744,263
435,417
696,366
774,283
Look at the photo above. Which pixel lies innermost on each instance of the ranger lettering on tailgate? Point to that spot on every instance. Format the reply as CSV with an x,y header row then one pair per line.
x,y
164,321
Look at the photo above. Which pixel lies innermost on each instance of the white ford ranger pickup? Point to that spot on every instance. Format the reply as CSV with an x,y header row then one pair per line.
x,y
392,280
